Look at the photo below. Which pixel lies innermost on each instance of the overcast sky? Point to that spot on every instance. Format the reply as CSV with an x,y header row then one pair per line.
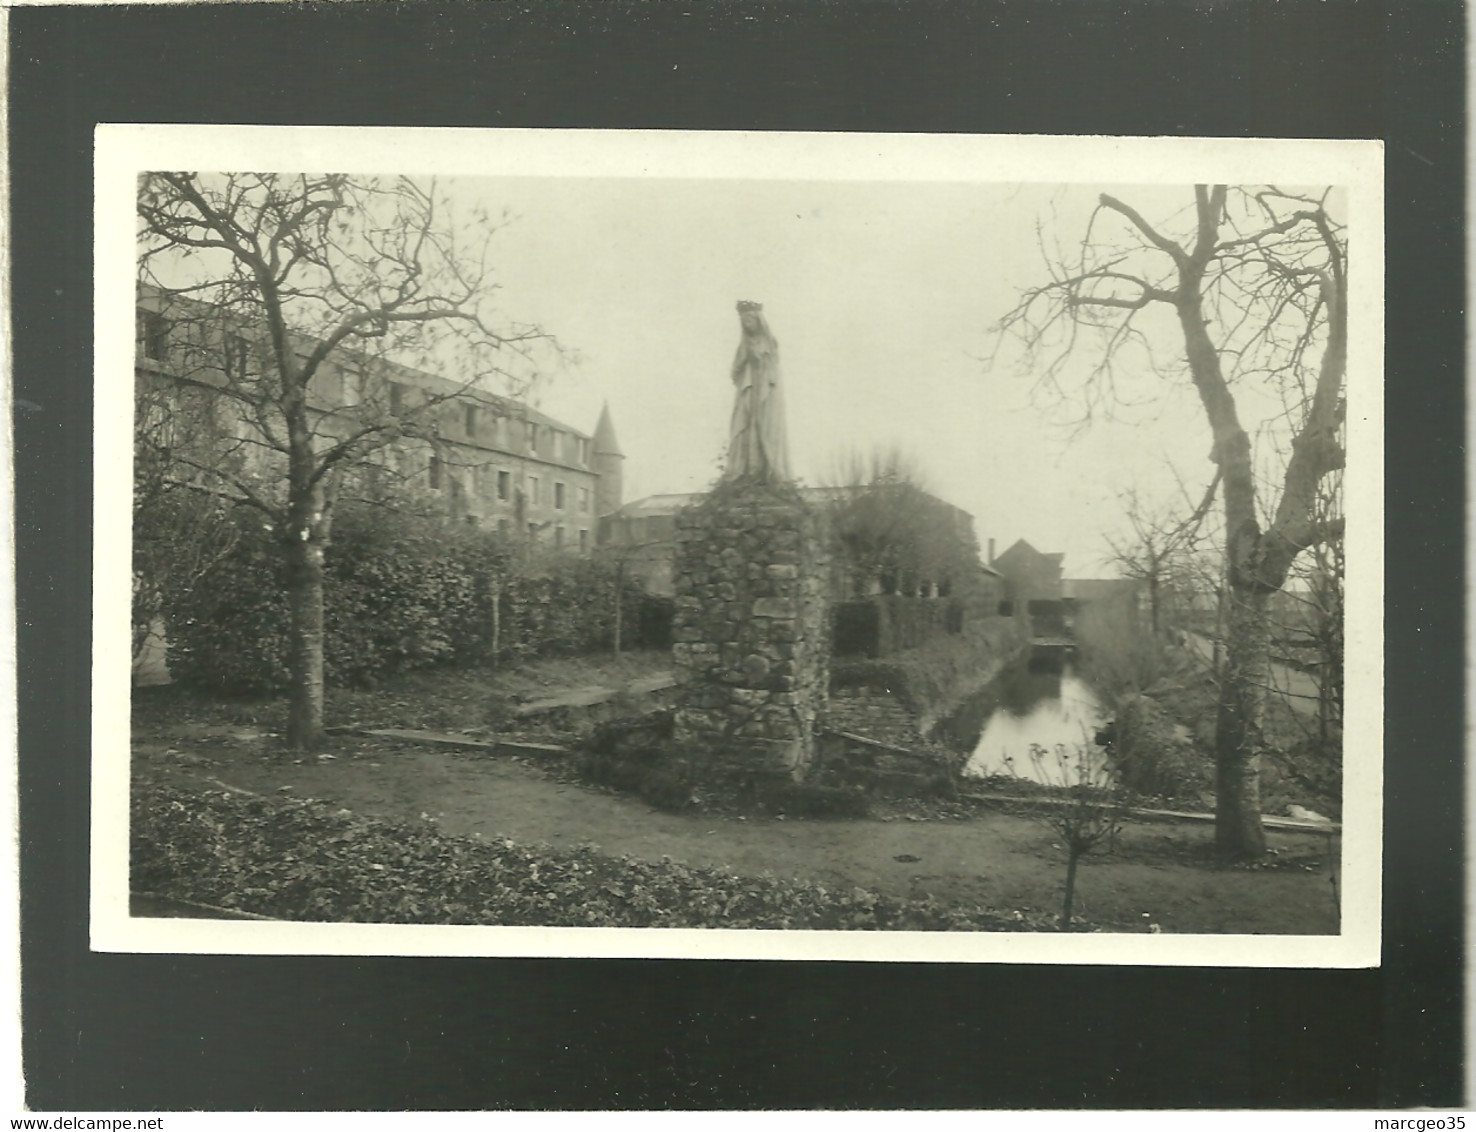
x,y
882,297
883,294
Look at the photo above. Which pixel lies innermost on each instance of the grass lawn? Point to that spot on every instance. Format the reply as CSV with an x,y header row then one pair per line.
x,y
965,867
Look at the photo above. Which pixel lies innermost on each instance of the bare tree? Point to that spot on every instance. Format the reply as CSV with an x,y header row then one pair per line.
x,y
623,554
1162,540
1086,808
295,300
1254,282
894,536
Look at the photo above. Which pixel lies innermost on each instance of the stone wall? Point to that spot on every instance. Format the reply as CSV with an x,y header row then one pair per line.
x,y
873,713
751,631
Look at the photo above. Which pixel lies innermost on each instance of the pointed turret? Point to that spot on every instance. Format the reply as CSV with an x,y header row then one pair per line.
x,y
605,443
608,463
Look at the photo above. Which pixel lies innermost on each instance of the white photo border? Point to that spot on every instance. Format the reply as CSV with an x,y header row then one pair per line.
x,y
124,151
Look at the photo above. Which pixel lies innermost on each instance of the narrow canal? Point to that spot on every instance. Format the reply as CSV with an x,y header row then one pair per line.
x,y
1040,701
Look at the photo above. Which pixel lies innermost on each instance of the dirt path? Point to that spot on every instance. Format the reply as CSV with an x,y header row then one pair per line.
x,y
1002,860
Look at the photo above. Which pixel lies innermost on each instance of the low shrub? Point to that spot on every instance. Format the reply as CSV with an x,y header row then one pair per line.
x,y
311,861
1154,755
230,632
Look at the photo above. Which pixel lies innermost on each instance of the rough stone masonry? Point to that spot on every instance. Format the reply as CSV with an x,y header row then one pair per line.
x,y
751,632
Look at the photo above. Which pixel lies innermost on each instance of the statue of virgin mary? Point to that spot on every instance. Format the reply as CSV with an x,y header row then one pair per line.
x,y
757,445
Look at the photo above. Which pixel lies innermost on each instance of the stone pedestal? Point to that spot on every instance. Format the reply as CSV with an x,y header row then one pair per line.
x,y
751,630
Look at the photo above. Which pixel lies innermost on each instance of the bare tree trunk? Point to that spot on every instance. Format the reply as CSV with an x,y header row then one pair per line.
x,y
1238,830
619,602
1216,662
305,602
496,624
1070,888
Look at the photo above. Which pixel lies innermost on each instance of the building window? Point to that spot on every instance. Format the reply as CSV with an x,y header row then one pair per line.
x,y
471,421
584,500
434,472
533,489
584,451
397,398
583,540
533,438
559,538
237,353
504,485
504,527
154,333
558,497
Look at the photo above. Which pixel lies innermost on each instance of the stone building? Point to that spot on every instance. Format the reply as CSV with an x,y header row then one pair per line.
x,y
490,461
646,531
1032,585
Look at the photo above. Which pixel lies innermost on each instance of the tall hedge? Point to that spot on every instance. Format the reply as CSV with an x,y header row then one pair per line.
x,y
400,593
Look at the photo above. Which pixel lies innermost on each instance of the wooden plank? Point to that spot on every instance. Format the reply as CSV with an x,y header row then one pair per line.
x,y
1290,825
596,694
878,745
574,698
433,738
521,747
867,741
466,742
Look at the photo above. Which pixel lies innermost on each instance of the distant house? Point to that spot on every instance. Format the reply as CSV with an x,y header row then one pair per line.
x,y
1032,586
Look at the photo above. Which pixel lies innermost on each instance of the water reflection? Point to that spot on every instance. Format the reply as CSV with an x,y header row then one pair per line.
x,y
1044,703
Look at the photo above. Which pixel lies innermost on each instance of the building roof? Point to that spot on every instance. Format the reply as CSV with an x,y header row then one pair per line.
x,y
153,298
1020,546
605,443
669,503
672,502
655,505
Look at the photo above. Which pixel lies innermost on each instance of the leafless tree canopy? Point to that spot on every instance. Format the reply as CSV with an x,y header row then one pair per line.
x,y
892,531
275,284
1243,287
295,301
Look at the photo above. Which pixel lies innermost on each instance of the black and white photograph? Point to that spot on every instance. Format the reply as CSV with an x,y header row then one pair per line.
x,y
752,545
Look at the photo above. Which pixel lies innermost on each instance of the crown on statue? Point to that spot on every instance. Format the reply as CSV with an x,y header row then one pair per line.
x,y
744,306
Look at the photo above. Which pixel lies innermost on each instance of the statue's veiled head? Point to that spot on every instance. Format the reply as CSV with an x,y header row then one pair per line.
x,y
751,315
